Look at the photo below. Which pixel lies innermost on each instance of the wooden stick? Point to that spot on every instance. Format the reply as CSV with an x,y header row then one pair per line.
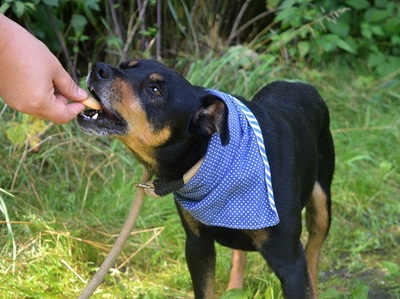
x,y
120,242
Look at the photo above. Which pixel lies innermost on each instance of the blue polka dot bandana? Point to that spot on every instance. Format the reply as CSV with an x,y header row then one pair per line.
x,y
233,185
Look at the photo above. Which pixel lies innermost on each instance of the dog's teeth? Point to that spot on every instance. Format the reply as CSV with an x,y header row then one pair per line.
x,y
95,116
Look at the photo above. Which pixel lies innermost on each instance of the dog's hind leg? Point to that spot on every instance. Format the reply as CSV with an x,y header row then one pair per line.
x,y
317,221
318,208
238,267
287,259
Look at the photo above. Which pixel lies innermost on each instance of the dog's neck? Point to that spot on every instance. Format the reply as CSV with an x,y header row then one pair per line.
x,y
174,161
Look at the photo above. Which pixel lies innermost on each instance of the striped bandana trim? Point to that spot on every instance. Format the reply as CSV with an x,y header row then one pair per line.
x,y
233,186
260,140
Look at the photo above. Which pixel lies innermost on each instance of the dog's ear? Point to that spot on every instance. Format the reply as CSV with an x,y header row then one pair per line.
x,y
211,117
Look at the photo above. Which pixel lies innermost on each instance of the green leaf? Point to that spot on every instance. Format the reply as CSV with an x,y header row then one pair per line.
x,y
287,36
348,45
88,7
395,39
391,268
114,42
30,6
78,22
381,3
53,3
28,130
366,30
19,8
385,167
304,48
15,133
268,59
330,294
375,15
288,3
359,290
358,4
92,4
4,7
344,45
327,42
234,294
377,30
339,28
288,16
392,26
272,4
375,59
383,64
390,65
373,48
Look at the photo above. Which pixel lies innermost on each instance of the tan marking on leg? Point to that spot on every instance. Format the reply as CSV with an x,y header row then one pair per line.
x,y
238,268
317,221
210,282
192,222
258,236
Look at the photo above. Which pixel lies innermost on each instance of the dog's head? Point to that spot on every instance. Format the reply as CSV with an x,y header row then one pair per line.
x,y
149,106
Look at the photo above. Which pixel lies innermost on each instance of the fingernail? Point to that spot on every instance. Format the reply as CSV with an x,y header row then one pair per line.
x,y
82,93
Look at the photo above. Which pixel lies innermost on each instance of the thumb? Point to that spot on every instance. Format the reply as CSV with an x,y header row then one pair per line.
x,y
66,87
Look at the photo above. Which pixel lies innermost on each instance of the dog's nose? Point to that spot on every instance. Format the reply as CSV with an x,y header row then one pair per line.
x,y
101,71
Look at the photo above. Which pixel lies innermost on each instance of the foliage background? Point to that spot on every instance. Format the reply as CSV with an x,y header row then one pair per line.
x,y
313,31
64,195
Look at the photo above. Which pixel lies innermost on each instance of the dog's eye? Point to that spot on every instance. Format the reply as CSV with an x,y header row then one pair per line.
x,y
155,90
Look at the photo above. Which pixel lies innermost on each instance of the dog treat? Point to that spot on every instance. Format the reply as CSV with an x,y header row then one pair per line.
x,y
92,103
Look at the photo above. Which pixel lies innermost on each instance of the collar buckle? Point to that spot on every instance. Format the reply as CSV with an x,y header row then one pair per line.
x,y
145,186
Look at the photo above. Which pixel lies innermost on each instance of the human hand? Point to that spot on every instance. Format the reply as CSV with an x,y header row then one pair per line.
x,y
32,80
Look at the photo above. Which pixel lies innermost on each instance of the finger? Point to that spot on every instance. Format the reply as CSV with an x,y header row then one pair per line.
x,y
61,98
62,113
65,86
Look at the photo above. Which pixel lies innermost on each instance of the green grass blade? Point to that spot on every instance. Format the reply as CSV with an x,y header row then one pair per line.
x,y
3,210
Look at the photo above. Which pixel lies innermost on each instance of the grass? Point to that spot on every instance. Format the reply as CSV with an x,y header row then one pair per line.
x,y
67,202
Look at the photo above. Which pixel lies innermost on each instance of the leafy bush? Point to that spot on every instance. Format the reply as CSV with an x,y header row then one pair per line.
x,y
79,32
320,30
313,31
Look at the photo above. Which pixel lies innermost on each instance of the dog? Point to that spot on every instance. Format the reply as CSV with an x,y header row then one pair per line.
x,y
171,125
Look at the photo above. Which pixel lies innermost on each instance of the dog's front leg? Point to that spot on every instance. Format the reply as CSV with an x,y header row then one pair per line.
x,y
200,258
200,255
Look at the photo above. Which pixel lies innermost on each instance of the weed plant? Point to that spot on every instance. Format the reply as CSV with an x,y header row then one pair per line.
x,y
62,204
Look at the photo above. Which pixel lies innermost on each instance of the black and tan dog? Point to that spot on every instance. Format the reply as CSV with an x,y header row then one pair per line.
x,y
167,123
